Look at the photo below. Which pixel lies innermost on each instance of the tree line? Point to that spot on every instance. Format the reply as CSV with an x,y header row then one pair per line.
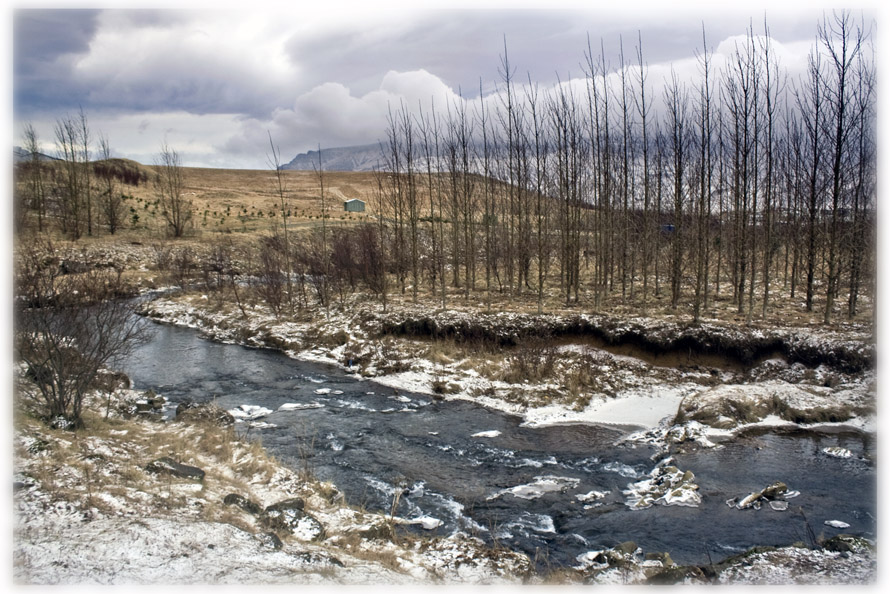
x,y
732,185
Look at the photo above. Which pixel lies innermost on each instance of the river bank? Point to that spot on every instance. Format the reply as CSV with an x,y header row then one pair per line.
x,y
673,403
637,373
90,509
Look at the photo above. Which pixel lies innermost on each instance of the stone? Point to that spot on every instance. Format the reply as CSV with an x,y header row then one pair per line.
x,y
845,543
167,465
109,381
674,575
207,412
289,517
772,493
310,558
270,540
665,558
244,503
775,491
380,531
627,548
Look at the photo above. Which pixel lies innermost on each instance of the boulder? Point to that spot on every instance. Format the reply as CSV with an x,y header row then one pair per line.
x,y
244,503
167,465
627,548
380,531
311,558
270,540
206,412
149,403
674,575
665,558
288,517
775,492
845,543
109,381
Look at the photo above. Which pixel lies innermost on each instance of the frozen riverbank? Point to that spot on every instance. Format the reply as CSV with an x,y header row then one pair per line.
x,y
572,380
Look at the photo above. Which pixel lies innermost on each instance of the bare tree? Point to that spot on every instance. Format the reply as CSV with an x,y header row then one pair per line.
x,y
676,98
380,196
322,277
643,109
170,186
274,160
111,201
84,134
811,107
70,187
842,43
703,205
34,177
864,185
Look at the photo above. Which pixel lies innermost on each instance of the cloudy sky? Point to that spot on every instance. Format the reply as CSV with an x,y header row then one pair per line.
x,y
214,83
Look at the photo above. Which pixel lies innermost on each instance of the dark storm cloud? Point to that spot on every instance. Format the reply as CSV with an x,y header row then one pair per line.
x,y
45,45
43,36
136,60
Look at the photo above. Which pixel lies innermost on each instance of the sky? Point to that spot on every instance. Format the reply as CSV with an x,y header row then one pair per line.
x,y
215,83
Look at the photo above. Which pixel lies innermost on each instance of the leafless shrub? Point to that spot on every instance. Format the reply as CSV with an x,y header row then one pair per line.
x,y
532,360
67,328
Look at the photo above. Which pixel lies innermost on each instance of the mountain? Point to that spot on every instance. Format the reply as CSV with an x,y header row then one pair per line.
x,y
347,158
19,154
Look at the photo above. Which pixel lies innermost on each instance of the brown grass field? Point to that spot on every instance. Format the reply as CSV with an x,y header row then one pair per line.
x,y
247,201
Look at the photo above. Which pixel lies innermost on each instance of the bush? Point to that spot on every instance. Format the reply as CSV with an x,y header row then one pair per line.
x,y
68,327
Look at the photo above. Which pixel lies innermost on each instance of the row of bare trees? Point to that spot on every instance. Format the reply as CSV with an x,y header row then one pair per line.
x,y
736,184
82,190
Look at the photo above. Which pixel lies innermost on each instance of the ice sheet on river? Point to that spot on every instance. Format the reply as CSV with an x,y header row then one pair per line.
x,y
299,406
540,486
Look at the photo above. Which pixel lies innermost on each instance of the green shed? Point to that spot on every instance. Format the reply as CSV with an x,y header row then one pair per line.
x,y
354,205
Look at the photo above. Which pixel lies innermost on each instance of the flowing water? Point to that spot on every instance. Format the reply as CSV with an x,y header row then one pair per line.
x,y
480,471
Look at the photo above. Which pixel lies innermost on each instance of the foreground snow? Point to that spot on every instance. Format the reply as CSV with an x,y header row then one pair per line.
x,y
88,511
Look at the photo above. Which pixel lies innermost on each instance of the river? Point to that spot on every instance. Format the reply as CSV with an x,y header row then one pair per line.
x,y
460,463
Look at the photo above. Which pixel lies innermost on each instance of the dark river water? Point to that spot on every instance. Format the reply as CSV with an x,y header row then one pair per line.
x,y
371,440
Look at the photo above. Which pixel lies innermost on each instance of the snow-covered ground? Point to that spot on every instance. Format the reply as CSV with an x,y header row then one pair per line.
x,y
88,511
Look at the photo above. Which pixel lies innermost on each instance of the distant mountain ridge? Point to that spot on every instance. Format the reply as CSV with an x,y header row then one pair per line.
x,y
19,154
346,158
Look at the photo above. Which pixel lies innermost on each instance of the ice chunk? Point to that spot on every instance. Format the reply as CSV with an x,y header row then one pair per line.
x,y
492,433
